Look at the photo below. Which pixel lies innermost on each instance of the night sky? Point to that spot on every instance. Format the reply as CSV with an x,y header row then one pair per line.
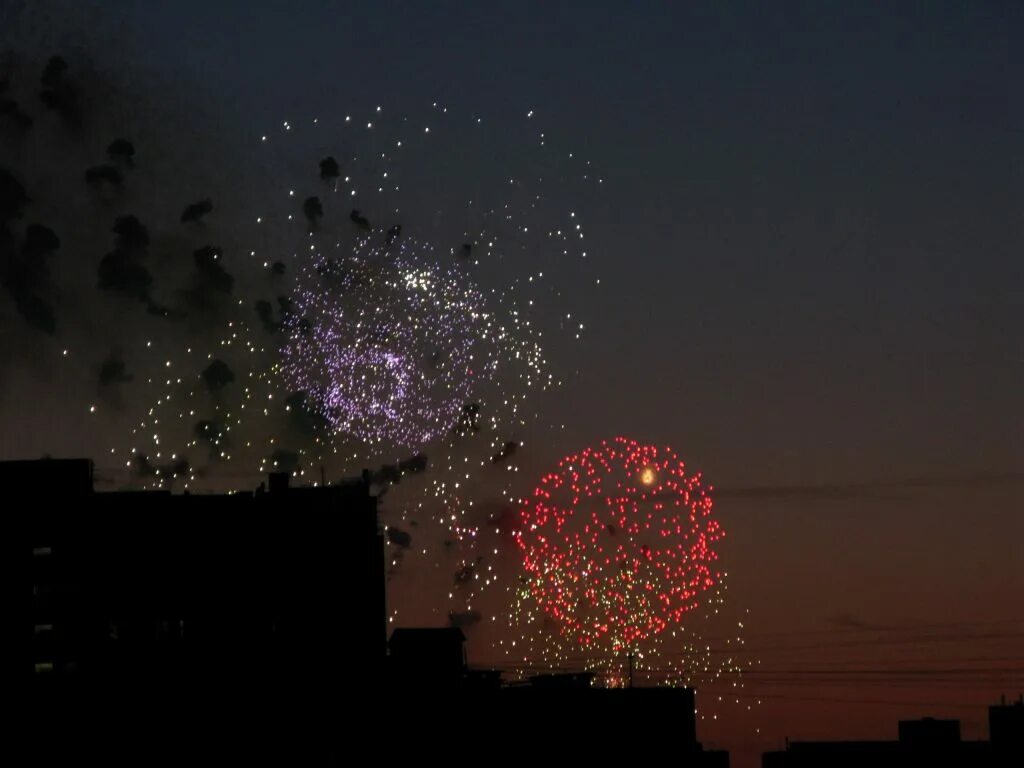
x,y
808,236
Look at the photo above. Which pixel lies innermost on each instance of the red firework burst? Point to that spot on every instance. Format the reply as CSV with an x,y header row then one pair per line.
x,y
618,544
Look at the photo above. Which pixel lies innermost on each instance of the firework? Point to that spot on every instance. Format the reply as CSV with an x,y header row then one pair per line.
x,y
388,346
620,578
357,340
618,545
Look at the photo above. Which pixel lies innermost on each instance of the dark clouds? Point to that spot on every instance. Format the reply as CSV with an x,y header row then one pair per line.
x,y
195,212
464,619
25,273
113,370
265,312
313,210
468,571
469,419
217,375
302,418
214,433
98,175
121,151
210,267
144,468
399,537
11,113
362,223
13,197
57,92
132,235
40,241
505,453
211,285
82,146
329,169
393,473
86,149
124,270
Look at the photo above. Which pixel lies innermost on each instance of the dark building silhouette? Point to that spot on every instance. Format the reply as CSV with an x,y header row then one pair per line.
x,y
929,734
427,658
544,716
926,742
279,589
1006,730
262,615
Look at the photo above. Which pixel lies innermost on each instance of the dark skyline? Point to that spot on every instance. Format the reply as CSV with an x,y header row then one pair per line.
x,y
810,216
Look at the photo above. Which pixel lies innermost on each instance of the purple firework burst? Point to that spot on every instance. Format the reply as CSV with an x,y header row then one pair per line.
x,y
387,346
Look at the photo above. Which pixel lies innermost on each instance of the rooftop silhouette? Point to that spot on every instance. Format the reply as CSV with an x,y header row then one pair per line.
x,y
271,605
925,742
